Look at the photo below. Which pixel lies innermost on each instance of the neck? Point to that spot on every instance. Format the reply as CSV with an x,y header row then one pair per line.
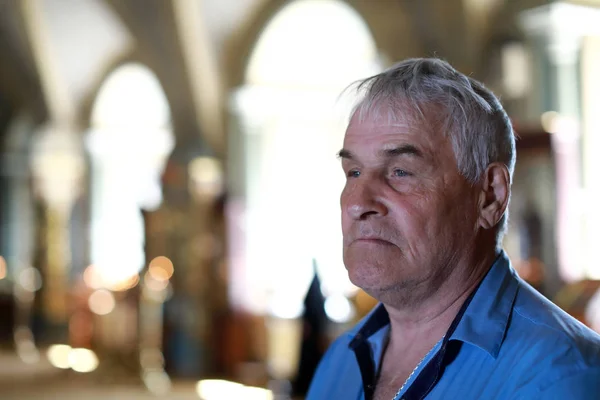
x,y
426,321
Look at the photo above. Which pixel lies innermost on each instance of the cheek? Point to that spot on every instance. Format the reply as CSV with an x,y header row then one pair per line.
x,y
347,193
413,212
452,215
346,224
461,206
347,200
424,221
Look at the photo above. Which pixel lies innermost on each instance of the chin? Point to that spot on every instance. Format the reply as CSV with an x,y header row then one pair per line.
x,y
369,278
381,282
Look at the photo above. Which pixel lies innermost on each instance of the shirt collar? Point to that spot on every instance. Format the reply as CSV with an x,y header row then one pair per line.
x,y
377,319
485,320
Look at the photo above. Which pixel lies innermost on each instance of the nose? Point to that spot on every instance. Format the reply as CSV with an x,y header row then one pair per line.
x,y
361,201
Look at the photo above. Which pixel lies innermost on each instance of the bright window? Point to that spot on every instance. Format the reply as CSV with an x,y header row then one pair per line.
x,y
290,110
129,142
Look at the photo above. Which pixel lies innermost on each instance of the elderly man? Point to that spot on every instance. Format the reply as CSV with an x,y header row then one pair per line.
x,y
428,156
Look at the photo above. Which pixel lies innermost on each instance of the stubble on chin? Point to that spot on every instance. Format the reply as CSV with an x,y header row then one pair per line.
x,y
379,280
401,294
398,292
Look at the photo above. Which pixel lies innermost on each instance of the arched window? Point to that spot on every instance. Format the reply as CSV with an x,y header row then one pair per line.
x,y
129,142
289,110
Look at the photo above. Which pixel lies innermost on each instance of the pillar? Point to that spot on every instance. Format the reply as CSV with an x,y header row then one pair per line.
x,y
559,28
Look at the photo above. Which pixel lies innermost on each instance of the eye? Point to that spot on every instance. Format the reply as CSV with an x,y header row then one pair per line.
x,y
400,173
353,173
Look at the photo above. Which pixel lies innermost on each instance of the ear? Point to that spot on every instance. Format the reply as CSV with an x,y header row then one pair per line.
x,y
494,196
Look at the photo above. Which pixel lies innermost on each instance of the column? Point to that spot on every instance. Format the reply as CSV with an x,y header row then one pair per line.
x,y
57,166
560,28
19,228
591,147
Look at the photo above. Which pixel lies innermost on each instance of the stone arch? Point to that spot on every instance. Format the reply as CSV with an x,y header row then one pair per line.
x,y
240,45
289,100
128,156
131,57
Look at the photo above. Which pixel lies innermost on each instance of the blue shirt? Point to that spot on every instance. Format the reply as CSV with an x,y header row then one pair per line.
x,y
508,342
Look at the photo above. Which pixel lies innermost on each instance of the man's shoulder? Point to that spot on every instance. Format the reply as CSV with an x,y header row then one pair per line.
x,y
551,330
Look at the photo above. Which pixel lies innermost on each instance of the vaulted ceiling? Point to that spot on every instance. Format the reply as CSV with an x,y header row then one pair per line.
x,y
458,30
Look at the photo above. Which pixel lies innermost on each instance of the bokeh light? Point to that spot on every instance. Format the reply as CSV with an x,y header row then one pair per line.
x,y
338,308
30,279
206,176
82,360
94,279
126,284
101,302
155,284
161,268
549,121
157,382
58,355
217,389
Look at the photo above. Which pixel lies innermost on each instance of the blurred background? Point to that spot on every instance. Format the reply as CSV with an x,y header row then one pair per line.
x,y
169,219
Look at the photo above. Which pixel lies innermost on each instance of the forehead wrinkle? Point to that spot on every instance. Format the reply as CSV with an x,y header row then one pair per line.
x,y
401,113
401,137
402,129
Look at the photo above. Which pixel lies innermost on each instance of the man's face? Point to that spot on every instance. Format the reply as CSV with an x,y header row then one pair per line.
x,y
407,212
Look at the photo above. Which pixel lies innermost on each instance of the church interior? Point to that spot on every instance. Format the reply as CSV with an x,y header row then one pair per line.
x,y
210,267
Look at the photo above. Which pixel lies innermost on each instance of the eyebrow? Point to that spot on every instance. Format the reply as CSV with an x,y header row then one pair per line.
x,y
405,149
343,153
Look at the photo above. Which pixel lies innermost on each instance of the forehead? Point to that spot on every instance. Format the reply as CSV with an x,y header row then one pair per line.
x,y
385,123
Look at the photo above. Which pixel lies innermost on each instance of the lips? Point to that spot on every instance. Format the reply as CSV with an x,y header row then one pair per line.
x,y
371,240
367,235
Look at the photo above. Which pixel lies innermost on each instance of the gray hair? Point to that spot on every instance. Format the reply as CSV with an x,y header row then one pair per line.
x,y
480,130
